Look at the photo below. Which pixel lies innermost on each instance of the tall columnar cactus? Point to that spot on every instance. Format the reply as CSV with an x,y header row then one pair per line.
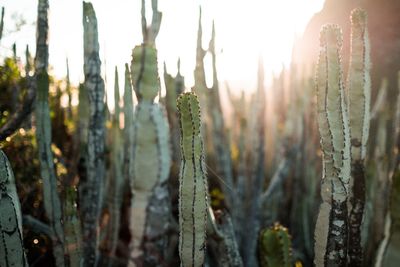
x,y
128,126
52,202
193,200
150,210
72,228
69,93
257,176
220,140
92,187
11,246
391,243
275,247
331,230
200,86
2,22
359,94
116,183
173,86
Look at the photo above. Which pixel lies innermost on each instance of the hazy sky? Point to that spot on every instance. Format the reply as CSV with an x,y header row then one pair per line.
x,y
245,29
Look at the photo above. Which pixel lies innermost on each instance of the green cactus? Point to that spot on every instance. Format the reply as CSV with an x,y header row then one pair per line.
x,y
144,72
72,228
51,198
92,188
128,126
150,209
391,243
275,247
359,94
193,200
2,22
332,222
174,86
11,247
116,180
221,239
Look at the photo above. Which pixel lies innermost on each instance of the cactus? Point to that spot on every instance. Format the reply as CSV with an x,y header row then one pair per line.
x,y
257,158
193,200
11,247
222,240
174,87
128,126
116,183
150,210
391,243
92,188
151,161
275,247
359,91
220,141
72,228
332,222
2,22
52,202
69,93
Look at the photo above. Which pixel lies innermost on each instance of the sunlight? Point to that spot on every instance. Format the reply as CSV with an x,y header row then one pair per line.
x,y
244,31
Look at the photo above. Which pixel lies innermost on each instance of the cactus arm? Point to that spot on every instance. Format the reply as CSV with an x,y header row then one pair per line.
x,y
193,199
52,202
96,137
155,22
11,244
331,228
359,91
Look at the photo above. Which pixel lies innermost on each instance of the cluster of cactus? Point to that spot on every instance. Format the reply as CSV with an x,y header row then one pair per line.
x,y
253,163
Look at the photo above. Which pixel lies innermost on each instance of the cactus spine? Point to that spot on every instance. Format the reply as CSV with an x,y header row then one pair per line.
x,y
193,200
92,187
11,244
52,202
331,228
275,247
359,91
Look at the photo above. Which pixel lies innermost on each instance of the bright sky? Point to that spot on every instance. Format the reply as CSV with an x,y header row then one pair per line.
x,y
245,29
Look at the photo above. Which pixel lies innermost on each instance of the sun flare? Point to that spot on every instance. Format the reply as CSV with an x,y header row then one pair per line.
x,y
245,30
